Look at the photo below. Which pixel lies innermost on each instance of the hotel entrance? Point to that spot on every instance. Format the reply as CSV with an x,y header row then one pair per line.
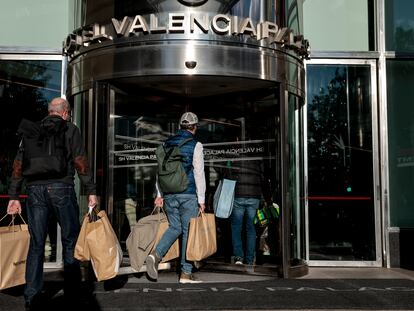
x,y
134,70
239,122
236,127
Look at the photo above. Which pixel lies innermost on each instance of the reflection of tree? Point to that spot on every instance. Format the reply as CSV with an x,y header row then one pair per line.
x,y
25,88
404,39
26,82
327,125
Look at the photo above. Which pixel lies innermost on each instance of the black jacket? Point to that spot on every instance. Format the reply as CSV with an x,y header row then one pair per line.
x,y
76,160
249,178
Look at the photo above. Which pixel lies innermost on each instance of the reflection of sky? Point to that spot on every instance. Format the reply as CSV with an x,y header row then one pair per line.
x,y
42,77
403,13
405,24
319,77
252,7
404,9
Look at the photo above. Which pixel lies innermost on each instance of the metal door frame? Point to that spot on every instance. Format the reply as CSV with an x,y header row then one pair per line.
x,y
42,55
300,269
376,167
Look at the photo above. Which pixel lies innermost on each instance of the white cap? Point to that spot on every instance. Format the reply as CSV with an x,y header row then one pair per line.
x,y
188,118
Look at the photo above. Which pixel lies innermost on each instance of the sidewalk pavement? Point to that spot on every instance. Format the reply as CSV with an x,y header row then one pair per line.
x,y
322,289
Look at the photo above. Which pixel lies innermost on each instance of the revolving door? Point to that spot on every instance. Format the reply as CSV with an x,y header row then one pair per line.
x,y
254,122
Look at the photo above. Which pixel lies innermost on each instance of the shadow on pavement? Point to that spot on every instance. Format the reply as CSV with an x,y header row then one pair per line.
x,y
52,298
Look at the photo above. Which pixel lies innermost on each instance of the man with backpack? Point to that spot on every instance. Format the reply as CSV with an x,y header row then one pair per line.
x,y
46,160
181,186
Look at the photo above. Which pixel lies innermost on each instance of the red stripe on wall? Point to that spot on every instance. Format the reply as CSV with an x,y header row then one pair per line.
x,y
339,198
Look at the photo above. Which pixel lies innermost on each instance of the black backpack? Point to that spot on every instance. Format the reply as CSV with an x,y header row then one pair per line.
x,y
172,177
44,148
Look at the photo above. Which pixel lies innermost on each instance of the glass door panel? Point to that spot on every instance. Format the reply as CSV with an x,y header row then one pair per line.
x,y
295,180
26,87
342,207
237,127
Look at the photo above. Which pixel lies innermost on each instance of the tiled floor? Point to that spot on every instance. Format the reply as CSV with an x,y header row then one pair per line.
x,y
358,273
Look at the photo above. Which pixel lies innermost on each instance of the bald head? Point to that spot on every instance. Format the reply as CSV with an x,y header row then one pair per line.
x,y
60,107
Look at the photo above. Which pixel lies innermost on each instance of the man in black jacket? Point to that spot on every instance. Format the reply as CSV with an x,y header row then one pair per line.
x,y
53,195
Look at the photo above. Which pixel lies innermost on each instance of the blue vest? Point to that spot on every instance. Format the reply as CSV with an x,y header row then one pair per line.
x,y
187,150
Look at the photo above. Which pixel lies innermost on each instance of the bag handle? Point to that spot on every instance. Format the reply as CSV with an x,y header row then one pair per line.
x,y
11,224
92,213
13,216
201,214
4,216
159,209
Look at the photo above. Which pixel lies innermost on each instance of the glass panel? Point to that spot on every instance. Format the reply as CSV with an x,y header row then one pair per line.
x,y
25,89
237,128
293,16
81,117
43,24
295,123
399,25
78,7
400,79
337,25
341,203
278,11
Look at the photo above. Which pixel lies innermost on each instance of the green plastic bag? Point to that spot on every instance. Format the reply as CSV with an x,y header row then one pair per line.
x,y
267,214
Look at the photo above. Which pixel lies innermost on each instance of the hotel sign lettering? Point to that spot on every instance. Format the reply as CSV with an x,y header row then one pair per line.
x,y
187,24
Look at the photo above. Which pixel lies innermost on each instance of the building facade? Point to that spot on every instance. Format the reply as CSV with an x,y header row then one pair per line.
x,y
328,128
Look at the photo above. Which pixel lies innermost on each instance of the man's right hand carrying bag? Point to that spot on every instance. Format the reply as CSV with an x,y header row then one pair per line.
x,y
14,245
202,241
98,243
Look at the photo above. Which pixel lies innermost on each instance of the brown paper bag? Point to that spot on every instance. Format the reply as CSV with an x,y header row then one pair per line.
x,y
201,237
14,245
102,245
81,248
174,250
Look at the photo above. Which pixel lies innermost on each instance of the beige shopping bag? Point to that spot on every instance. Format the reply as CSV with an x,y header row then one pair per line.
x,y
81,248
102,245
145,235
202,240
141,239
174,250
14,245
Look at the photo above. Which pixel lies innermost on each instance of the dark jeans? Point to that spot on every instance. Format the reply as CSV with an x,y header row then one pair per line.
x,y
59,199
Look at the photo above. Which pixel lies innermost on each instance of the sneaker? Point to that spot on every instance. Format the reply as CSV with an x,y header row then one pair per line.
x,y
186,278
238,260
152,262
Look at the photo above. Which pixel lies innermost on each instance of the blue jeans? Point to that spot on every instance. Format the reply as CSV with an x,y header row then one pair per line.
x,y
244,211
180,208
43,200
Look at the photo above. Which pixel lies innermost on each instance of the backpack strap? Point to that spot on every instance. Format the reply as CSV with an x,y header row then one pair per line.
x,y
168,154
185,141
